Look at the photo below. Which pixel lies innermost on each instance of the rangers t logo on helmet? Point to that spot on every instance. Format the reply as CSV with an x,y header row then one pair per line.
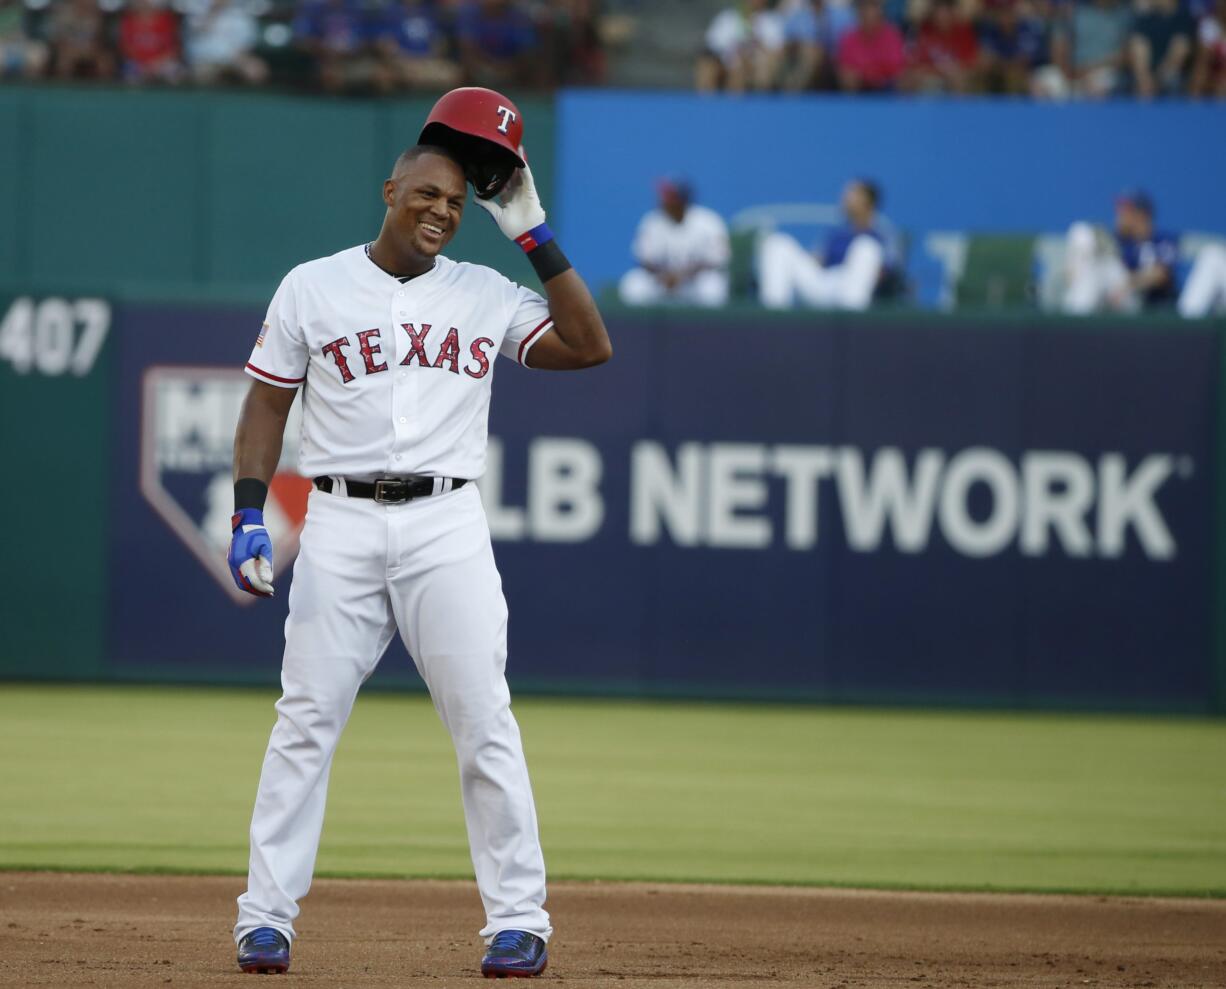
x,y
484,130
508,117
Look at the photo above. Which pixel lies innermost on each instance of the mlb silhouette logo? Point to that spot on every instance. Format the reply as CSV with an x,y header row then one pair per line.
x,y
188,415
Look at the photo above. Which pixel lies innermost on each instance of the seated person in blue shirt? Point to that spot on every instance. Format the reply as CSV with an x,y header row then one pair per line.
x,y
336,34
410,37
848,270
1134,270
802,46
498,42
1012,44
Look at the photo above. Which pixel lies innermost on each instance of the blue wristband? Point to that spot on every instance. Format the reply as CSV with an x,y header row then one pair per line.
x,y
535,237
246,516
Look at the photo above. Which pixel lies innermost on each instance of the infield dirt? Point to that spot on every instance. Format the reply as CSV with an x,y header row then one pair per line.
x,y
109,930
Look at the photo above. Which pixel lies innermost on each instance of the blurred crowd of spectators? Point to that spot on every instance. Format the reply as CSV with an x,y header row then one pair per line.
x,y
1050,49
358,46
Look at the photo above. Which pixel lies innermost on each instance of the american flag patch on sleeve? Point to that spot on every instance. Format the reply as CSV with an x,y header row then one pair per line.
x,y
259,341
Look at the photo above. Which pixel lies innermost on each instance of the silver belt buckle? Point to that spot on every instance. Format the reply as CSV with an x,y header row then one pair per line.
x,y
382,495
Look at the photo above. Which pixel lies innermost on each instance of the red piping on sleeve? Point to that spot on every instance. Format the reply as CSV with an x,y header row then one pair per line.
x,y
523,344
272,377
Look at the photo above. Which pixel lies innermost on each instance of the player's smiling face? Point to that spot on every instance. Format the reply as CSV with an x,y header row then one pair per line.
x,y
428,203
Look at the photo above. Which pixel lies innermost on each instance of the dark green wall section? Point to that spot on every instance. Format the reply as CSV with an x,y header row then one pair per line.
x,y
55,435
11,157
207,196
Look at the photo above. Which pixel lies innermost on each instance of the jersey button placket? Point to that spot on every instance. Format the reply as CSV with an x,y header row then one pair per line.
x,y
400,386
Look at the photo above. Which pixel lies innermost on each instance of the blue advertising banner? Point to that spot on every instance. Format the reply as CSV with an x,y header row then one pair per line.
x,y
860,509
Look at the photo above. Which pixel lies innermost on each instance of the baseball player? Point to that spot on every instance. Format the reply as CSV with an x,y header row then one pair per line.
x,y
395,346
682,250
1135,270
849,270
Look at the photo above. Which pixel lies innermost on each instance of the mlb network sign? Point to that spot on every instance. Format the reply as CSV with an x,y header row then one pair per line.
x,y
754,496
744,496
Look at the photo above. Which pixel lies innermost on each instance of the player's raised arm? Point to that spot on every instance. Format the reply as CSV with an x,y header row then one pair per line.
x,y
578,337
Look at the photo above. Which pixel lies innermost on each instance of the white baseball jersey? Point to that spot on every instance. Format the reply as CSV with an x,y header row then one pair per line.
x,y
700,238
397,374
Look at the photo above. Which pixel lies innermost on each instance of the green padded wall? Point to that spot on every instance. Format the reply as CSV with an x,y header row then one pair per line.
x,y
11,157
54,442
207,196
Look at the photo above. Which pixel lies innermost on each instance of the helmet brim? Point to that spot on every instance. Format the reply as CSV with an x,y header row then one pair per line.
x,y
488,166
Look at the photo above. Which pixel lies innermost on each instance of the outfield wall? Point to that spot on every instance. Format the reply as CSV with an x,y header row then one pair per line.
x,y
205,195
855,508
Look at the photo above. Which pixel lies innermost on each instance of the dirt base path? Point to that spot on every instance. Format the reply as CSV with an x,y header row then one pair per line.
x,y
98,930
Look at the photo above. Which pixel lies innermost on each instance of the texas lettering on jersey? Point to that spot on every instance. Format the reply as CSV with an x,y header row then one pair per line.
x,y
447,357
398,375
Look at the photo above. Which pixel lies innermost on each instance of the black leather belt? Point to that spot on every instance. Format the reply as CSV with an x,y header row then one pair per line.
x,y
393,490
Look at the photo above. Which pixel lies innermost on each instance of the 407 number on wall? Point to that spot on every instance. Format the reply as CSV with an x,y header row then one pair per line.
x,y
54,336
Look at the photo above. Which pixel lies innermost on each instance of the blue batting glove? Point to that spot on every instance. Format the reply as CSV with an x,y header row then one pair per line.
x,y
250,556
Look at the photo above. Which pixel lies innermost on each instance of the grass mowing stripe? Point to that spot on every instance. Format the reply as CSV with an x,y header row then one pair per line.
x,y
162,779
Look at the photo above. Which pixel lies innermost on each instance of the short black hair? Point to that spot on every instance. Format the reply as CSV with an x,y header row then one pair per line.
x,y
410,155
872,190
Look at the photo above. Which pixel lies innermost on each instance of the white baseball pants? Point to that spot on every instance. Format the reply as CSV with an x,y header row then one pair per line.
x,y
1205,290
788,275
365,570
639,287
1095,277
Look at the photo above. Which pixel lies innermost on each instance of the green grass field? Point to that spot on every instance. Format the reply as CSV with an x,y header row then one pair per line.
x,y
141,779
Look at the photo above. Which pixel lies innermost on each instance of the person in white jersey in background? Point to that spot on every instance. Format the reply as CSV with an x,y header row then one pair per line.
x,y
395,345
682,253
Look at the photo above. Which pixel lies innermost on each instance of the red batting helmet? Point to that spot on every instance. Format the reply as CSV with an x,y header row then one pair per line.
x,y
484,130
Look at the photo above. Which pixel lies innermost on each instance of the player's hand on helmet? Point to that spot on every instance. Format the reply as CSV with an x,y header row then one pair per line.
x,y
517,209
250,556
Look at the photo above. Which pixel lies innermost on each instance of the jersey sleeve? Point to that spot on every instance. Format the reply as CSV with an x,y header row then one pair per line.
x,y
530,320
280,354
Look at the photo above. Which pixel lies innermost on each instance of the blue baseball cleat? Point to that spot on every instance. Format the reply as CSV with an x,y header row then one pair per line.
x,y
514,954
264,951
